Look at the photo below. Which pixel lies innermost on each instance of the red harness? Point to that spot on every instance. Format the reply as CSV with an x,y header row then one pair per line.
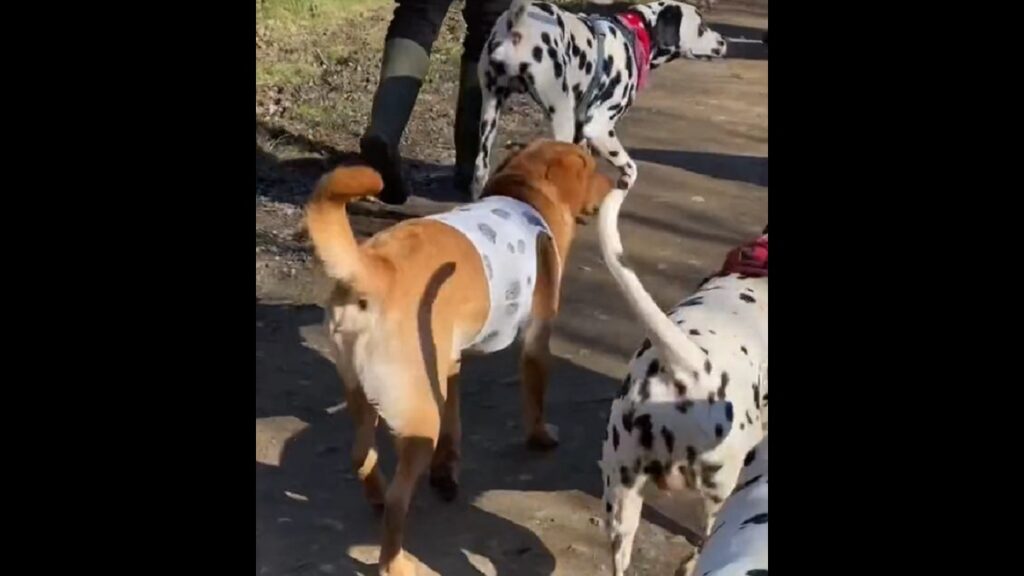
x,y
641,47
751,259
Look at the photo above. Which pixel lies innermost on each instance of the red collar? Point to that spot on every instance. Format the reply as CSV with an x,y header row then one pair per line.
x,y
642,47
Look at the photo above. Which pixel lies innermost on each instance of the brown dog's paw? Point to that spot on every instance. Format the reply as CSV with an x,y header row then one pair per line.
x,y
446,486
399,566
543,438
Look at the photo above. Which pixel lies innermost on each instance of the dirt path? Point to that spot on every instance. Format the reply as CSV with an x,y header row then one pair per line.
x,y
700,136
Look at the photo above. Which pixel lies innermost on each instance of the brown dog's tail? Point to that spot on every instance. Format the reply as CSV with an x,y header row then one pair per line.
x,y
329,229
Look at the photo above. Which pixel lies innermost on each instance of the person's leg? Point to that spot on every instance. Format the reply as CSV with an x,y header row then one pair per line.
x,y
480,16
410,36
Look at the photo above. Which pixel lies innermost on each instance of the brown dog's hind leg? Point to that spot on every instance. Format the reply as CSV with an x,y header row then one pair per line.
x,y
414,453
444,469
364,449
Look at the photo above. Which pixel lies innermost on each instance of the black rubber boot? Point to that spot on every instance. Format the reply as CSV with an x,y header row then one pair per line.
x,y
467,126
402,70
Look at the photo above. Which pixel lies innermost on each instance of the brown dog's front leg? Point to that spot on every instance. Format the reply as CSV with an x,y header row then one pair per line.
x,y
534,366
536,359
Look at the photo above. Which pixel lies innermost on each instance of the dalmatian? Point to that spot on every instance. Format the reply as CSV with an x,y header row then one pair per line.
x,y
695,399
738,542
583,70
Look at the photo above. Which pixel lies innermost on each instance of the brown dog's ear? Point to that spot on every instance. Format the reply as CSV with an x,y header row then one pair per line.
x,y
570,170
599,187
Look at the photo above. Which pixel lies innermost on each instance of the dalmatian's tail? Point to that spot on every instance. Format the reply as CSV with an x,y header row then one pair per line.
x,y
332,235
673,346
511,48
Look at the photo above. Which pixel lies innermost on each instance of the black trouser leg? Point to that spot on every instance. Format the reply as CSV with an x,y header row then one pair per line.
x,y
410,36
480,16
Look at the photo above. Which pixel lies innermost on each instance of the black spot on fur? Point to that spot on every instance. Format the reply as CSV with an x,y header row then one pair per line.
x,y
757,396
680,388
524,67
707,366
545,38
615,437
538,54
611,133
666,29
714,497
545,7
751,455
747,484
704,350
653,367
625,476
590,44
589,67
756,519
645,389
759,571
696,301
654,469
694,332
551,110
669,438
719,431
747,298
644,347
613,153
609,90
744,350
608,507
725,382
749,419
646,428
627,421
728,411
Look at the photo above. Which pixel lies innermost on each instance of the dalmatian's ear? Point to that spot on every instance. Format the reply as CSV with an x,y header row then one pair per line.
x,y
666,28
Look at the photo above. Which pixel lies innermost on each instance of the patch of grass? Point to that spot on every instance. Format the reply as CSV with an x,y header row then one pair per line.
x,y
285,74
306,10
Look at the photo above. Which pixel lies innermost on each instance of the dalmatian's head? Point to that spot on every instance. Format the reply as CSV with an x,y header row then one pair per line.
x,y
678,31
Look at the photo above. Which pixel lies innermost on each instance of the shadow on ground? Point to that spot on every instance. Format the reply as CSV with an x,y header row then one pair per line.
x,y
749,169
742,50
311,516
290,179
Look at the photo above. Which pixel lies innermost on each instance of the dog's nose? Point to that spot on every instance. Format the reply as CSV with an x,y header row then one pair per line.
x,y
716,51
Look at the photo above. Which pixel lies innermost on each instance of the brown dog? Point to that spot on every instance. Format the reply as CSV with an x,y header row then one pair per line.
x,y
409,301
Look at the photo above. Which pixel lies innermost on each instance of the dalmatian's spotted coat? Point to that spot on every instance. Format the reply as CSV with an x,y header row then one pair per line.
x,y
738,542
695,400
541,50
